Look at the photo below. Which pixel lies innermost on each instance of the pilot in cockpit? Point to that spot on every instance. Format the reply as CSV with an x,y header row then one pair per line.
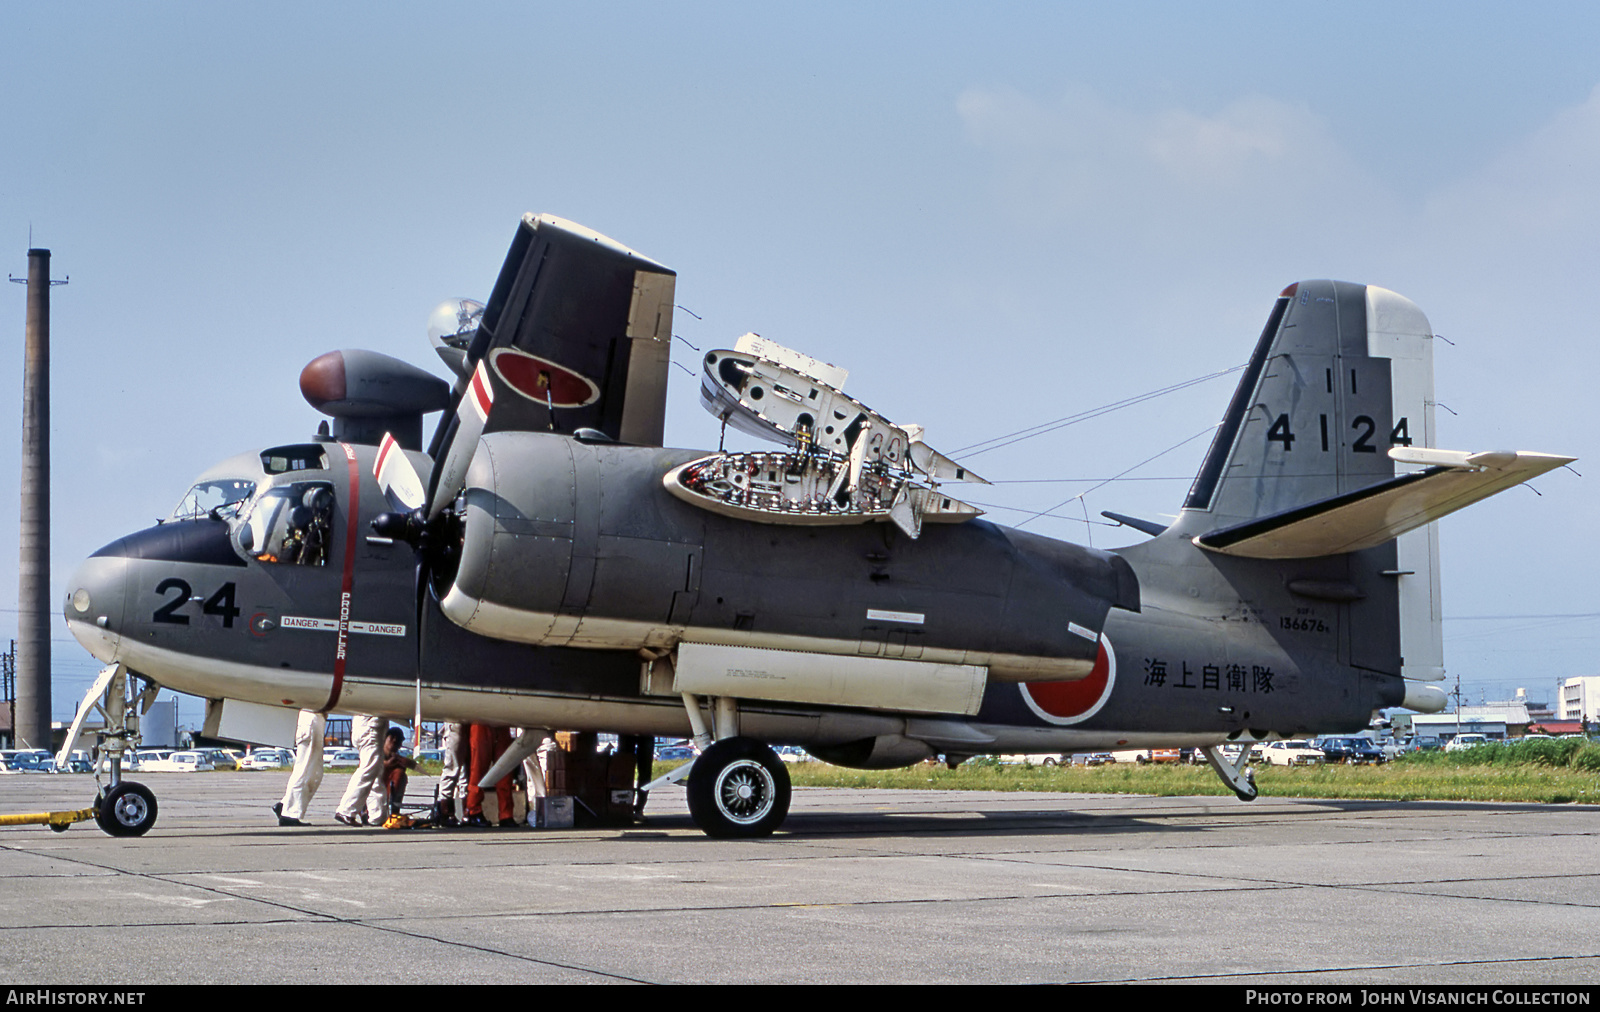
x,y
290,525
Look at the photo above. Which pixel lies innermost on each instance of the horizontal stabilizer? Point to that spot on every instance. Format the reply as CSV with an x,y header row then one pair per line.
x,y
1149,527
1371,516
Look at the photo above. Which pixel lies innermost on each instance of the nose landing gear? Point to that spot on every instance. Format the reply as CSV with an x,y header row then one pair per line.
x,y
124,808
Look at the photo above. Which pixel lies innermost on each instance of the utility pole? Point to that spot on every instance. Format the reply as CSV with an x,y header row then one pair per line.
x,y
8,691
31,721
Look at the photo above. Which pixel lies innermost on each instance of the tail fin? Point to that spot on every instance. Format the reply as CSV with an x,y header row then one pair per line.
x,y
1341,373
1305,469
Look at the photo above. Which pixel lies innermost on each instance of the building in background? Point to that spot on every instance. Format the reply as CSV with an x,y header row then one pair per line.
x,y
1580,699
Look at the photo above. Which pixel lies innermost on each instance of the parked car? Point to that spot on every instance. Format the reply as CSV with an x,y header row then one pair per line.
x,y
341,757
34,762
178,762
1147,755
14,756
1461,742
1297,752
266,759
1035,759
1092,758
1196,757
220,758
1355,751
793,754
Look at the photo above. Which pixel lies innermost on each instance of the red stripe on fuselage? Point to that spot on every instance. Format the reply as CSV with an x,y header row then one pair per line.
x,y
352,508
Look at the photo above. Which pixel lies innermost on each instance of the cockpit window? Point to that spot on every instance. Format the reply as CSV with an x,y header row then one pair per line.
x,y
289,525
220,497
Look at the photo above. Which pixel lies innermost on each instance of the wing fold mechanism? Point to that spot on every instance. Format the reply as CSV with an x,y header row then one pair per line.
x,y
1368,517
847,464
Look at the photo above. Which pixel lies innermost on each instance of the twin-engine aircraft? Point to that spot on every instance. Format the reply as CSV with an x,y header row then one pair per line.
x,y
547,563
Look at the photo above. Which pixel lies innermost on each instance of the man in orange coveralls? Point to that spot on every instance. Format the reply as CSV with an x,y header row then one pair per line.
x,y
487,744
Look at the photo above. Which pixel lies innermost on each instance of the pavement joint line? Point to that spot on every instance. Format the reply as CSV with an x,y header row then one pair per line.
x,y
1407,887
841,904
499,952
163,924
1403,886
381,922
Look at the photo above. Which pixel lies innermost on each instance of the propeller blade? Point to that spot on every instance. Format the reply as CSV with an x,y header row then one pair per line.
x,y
398,479
472,414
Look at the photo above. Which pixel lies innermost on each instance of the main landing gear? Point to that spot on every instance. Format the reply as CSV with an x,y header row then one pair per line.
x,y
738,787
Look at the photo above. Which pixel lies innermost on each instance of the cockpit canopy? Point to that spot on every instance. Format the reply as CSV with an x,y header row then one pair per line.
x,y
218,497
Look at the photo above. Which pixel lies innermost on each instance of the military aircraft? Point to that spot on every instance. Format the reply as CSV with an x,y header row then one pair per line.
x,y
547,563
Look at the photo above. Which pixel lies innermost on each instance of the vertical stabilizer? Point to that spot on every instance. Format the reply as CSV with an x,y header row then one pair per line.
x,y
1340,374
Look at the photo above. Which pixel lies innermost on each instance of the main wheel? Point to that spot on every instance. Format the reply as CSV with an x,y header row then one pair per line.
x,y
128,809
738,788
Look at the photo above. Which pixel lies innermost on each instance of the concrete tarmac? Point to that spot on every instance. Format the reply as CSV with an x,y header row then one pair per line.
x,y
859,887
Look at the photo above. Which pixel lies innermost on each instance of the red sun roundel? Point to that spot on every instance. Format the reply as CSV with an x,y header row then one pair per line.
x,y
540,380
1071,702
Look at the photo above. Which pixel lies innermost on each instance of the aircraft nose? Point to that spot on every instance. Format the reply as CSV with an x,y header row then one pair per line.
x,y
96,598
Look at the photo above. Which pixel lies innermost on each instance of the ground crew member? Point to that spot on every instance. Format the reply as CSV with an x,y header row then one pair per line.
x,y
363,803
307,774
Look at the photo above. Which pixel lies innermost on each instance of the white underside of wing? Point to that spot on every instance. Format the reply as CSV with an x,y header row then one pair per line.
x,y
1350,523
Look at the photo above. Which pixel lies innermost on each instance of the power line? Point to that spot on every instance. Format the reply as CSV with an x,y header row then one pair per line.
x,y
984,446
1108,481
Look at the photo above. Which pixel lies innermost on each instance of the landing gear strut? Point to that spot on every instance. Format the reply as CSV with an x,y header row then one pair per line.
x,y
1237,775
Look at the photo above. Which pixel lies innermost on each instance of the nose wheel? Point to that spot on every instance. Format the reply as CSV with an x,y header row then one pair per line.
x,y
127,809
738,788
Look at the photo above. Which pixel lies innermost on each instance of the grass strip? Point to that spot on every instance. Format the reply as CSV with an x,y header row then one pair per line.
x,y
1397,781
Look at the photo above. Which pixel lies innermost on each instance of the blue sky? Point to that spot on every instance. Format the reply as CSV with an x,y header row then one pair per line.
x,y
992,216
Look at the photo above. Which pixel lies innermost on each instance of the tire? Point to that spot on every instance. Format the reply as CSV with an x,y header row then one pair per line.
x,y
128,809
738,789
1048,762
